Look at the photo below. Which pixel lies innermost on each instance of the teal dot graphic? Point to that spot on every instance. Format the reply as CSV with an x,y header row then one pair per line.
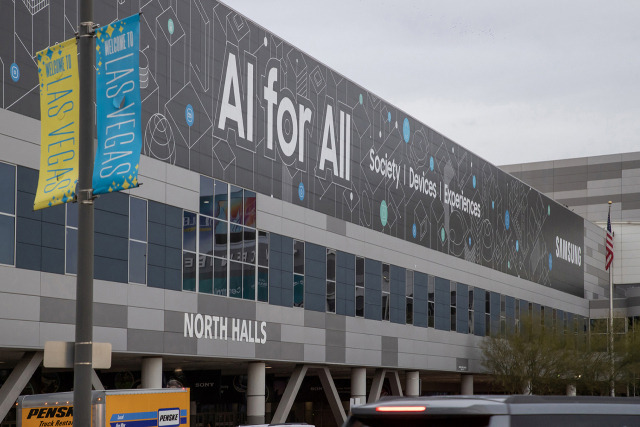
x,y
493,204
170,26
550,262
509,265
406,130
360,99
442,235
549,210
383,213
517,246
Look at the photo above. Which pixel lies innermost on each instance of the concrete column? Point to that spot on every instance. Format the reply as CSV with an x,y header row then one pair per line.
x,y
152,372
412,387
255,393
466,386
359,385
571,389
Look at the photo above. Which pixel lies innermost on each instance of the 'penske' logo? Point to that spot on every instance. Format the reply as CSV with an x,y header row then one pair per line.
x,y
51,412
168,417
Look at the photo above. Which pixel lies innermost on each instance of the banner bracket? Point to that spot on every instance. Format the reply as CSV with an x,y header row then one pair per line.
x,y
89,29
86,196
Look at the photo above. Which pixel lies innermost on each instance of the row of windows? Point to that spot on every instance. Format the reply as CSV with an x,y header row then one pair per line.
x,y
7,213
223,253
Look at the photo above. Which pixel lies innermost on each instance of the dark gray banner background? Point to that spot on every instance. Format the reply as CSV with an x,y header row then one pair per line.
x,y
185,48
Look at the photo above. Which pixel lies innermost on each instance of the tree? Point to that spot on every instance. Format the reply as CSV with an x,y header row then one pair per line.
x,y
542,360
536,359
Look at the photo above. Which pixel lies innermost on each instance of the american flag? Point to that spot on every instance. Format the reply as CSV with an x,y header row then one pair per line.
x,y
609,242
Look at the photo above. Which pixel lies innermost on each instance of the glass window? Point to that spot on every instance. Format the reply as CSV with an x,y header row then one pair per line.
x,y
72,214
331,297
487,313
263,248
206,235
331,281
249,281
249,208
235,242
386,286
221,198
220,276
431,302
249,246
453,292
7,189
137,262
189,245
359,301
205,274
137,240
453,319
189,271
236,212
263,284
409,297
7,237
471,330
298,257
263,270
206,196
385,306
220,247
235,280
331,264
137,219
7,213
189,231
298,290
359,287
360,271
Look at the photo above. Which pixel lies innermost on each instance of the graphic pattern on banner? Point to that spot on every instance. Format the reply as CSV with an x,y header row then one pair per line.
x,y
224,97
118,106
59,115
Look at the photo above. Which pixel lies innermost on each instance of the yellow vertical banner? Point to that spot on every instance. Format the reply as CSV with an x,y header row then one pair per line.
x,y
59,116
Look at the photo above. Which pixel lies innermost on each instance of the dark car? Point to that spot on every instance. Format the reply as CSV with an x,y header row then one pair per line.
x,y
498,411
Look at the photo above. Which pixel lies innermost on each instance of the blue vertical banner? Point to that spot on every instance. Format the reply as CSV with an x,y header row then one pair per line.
x,y
118,105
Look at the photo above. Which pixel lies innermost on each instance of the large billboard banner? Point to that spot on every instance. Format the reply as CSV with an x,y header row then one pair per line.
x,y
226,98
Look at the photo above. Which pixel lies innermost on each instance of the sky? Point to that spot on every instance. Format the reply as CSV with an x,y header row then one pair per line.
x,y
511,81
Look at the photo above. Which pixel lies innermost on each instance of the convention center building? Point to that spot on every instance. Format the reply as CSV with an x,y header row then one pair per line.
x,y
298,244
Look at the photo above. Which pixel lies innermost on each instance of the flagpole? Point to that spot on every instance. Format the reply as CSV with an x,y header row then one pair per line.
x,y
83,365
612,383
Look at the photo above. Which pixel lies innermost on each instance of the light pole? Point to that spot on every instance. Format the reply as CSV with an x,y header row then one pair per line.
x,y
84,281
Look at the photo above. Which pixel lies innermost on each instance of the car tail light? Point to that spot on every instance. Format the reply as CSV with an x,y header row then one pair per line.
x,y
401,408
